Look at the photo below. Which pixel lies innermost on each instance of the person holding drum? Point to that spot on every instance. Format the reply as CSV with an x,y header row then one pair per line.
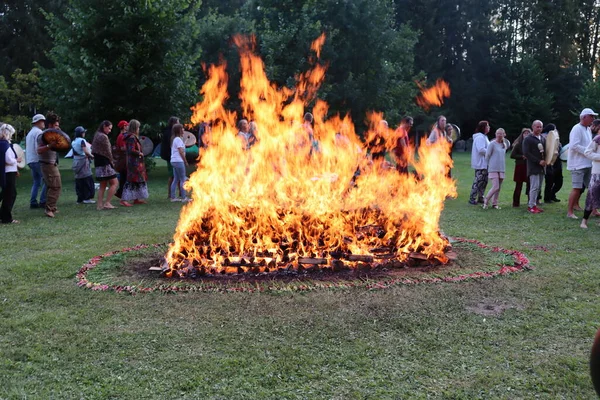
x,y
8,174
47,144
135,188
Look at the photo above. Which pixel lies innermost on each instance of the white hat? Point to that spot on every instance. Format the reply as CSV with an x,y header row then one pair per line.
x,y
37,117
587,111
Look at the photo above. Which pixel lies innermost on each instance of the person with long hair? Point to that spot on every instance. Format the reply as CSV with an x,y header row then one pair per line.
x,y
592,200
480,144
135,189
8,174
121,160
179,162
165,151
520,174
495,157
103,160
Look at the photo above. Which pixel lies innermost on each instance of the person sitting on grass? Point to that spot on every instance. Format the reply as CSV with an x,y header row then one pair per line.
x,y
495,157
179,162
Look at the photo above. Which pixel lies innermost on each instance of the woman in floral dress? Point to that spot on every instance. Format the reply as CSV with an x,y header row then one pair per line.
x,y
135,189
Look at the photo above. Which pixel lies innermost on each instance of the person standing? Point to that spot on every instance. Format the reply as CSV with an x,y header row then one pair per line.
x,y
401,149
48,159
592,200
84,182
135,188
579,165
480,144
495,158
179,162
165,151
520,174
33,161
103,159
121,160
533,150
8,174
553,176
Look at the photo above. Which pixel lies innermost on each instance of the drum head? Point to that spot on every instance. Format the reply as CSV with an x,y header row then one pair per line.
x,y
59,140
564,152
455,134
189,139
20,153
147,145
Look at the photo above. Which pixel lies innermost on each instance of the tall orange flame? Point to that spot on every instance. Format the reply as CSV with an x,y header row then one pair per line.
x,y
433,96
301,190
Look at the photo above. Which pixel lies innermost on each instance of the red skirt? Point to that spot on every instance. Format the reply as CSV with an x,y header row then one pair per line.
x,y
520,173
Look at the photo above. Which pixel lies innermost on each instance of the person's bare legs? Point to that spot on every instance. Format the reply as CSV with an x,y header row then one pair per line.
x,y
114,184
100,204
573,201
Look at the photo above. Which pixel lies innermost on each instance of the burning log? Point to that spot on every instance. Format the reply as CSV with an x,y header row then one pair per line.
x,y
311,260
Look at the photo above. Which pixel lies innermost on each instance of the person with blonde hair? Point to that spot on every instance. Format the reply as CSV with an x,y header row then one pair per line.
x,y
135,188
8,174
495,158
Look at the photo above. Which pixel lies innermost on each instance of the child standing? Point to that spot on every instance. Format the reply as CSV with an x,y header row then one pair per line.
x,y
179,162
496,161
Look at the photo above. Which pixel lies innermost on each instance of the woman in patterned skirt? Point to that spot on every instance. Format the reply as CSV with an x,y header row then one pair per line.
x,y
592,201
103,160
135,188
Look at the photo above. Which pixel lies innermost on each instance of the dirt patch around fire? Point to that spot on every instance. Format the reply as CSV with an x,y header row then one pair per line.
x,y
129,270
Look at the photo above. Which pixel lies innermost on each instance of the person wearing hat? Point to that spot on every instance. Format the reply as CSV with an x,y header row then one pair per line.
x,y
579,165
120,158
33,161
84,182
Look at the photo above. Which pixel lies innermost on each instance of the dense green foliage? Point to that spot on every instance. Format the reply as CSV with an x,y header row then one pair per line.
x,y
507,61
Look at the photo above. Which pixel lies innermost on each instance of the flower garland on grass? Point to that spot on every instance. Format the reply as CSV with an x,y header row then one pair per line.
x,y
521,262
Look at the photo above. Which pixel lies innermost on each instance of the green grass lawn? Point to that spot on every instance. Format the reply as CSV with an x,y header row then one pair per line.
x,y
59,341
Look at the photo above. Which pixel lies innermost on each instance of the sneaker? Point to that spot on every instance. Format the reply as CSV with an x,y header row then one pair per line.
x,y
89,201
572,216
472,202
484,206
533,210
42,205
175,199
480,201
496,207
35,205
186,200
80,202
555,200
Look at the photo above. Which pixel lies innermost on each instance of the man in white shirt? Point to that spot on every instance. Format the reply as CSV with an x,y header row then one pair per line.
x,y
579,165
33,161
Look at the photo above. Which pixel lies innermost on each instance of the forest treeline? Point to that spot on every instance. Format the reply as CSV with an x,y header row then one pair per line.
x,y
507,61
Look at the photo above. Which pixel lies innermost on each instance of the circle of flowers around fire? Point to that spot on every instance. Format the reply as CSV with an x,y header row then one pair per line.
x,y
102,280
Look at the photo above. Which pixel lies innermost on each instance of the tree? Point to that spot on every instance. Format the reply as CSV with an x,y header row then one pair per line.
x,y
23,33
124,59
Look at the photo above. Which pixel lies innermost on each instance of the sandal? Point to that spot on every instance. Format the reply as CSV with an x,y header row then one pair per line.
x,y
139,201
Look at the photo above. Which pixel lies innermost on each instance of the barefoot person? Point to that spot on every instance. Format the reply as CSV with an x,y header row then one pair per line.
x,y
135,188
592,201
579,165
105,172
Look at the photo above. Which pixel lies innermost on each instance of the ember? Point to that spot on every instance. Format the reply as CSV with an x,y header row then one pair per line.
x,y
302,197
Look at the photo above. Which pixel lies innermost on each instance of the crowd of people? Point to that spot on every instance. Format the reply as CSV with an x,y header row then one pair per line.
x,y
536,153
121,172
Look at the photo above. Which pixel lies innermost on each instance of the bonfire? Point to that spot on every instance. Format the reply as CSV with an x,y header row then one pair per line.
x,y
302,198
